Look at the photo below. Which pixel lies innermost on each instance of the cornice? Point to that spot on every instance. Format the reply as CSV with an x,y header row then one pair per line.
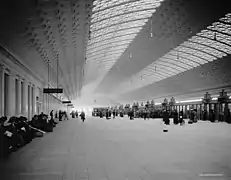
x,y
15,61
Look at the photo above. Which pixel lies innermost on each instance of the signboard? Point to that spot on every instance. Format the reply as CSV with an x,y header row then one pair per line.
x,y
66,102
52,90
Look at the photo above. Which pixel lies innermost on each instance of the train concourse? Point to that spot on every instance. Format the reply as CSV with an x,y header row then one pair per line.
x,y
115,90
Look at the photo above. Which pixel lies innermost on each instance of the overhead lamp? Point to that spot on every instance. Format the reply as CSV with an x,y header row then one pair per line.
x,y
130,55
151,33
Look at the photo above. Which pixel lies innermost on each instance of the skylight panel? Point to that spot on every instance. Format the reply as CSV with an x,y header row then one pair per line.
x,y
207,33
108,61
118,47
145,72
167,68
226,19
223,38
185,58
162,68
109,45
102,45
182,62
162,72
127,31
116,52
204,48
114,35
125,27
196,53
116,10
212,43
172,64
130,24
218,26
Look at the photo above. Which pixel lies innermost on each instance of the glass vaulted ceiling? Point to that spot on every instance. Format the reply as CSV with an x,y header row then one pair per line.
x,y
208,45
114,24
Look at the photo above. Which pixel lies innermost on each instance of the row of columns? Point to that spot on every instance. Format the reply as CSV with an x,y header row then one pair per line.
x,y
18,97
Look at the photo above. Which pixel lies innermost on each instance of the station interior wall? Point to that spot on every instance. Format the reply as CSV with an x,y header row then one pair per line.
x,y
22,95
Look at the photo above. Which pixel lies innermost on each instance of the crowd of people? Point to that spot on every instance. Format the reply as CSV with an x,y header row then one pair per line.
x,y
16,132
75,114
166,114
146,113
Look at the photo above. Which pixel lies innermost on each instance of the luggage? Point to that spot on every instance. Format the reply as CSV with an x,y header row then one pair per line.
x,y
190,122
49,128
38,134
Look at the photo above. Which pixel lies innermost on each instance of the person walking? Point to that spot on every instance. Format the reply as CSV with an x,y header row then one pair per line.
x,y
82,115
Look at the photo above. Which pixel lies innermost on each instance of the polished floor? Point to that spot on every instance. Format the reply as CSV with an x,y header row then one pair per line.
x,y
120,149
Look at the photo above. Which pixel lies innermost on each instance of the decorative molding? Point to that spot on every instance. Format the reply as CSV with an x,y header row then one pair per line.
x,y
7,70
11,62
17,62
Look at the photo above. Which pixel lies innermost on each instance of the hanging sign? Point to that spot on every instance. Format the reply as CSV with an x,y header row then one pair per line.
x,y
52,90
66,102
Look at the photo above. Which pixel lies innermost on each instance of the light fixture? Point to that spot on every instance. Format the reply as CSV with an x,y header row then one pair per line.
x,y
151,31
130,55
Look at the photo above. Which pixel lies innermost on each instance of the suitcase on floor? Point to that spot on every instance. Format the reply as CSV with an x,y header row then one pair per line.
x,y
190,121
38,134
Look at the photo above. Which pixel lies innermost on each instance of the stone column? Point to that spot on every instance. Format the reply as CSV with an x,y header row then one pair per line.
x,y
44,103
29,101
33,100
1,91
25,99
18,100
11,96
